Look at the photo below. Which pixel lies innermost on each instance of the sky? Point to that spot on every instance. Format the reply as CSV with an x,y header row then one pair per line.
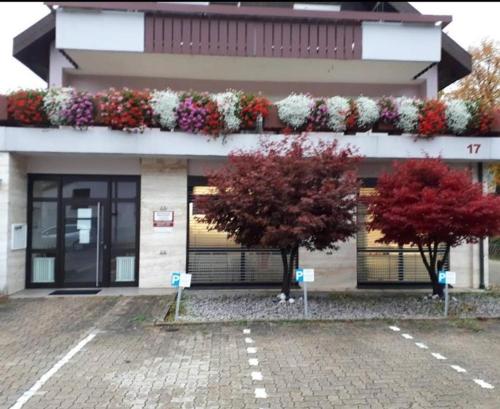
x,y
472,21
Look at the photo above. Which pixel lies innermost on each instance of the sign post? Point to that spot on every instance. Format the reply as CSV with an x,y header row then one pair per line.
x,y
446,278
179,281
305,275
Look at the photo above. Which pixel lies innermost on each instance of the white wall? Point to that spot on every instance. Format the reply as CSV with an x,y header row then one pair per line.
x,y
401,41
58,62
99,30
90,165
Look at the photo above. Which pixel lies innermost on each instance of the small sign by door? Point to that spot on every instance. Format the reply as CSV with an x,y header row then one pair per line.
x,y
163,220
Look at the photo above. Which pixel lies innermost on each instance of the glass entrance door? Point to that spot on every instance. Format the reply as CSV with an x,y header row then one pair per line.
x,y
84,243
83,231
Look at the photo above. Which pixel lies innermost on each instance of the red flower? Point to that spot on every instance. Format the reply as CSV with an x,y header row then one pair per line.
x,y
26,107
432,118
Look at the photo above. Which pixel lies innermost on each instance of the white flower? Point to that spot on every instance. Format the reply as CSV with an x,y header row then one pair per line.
x,y
164,104
294,109
408,114
338,108
368,112
457,116
55,102
228,104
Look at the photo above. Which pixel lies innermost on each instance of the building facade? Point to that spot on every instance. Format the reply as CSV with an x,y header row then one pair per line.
x,y
107,208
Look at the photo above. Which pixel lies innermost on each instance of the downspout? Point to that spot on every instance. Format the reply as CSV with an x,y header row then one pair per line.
x,y
481,241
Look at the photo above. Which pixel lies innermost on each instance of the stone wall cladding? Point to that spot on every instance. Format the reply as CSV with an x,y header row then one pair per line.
x,y
163,186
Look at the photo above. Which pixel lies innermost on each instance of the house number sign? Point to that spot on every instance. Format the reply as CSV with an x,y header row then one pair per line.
x,y
473,148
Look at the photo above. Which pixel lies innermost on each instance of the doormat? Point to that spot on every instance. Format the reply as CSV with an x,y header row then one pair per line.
x,y
74,292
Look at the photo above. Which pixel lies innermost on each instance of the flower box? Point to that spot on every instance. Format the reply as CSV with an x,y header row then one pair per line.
x,y
495,126
3,108
385,127
272,121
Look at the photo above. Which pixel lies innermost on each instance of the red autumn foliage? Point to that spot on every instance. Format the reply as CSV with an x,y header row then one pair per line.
x,y
426,204
288,194
432,118
251,107
26,107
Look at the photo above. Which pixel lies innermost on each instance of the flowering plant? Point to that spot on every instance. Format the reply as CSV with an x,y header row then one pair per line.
x,y
295,109
388,111
192,113
432,118
228,105
318,119
164,105
367,112
55,102
26,107
457,116
214,121
251,108
338,109
351,120
481,118
126,109
80,111
408,110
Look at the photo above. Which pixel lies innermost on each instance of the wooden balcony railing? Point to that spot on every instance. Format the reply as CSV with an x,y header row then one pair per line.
x,y
252,38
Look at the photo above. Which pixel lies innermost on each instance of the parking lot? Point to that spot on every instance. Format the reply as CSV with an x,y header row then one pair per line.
x,y
103,352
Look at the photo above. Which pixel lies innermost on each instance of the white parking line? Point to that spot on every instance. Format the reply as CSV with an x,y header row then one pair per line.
x,y
436,355
249,340
458,368
252,350
483,384
246,331
257,376
253,362
260,393
25,397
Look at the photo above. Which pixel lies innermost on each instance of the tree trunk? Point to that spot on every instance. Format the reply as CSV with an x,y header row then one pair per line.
x,y
288,258
430,265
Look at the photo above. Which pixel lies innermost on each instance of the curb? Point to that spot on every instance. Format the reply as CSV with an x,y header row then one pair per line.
x,y
314,320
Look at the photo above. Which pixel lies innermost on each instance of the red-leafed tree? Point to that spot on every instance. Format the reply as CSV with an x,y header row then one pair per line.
x,y
425,203
285,195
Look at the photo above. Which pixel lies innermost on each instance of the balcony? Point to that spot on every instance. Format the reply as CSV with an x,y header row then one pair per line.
x,y
215,42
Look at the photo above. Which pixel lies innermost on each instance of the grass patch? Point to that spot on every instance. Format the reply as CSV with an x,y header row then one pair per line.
x,y
470,324
170,317
139,318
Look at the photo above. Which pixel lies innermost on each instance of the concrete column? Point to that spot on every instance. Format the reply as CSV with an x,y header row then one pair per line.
x,y
163,187
13,200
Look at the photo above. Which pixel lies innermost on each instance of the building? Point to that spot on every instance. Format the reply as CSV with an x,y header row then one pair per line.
x,y
107,208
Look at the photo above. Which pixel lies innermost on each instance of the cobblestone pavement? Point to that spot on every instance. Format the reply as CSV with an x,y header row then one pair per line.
x,y
132,364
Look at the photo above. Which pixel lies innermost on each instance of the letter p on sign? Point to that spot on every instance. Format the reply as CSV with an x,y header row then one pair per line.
x,y
175,280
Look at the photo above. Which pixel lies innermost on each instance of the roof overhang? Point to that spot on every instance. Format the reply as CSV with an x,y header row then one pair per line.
x,y
32,46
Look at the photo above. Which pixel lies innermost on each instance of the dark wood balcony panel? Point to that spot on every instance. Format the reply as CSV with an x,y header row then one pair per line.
x,y
252,38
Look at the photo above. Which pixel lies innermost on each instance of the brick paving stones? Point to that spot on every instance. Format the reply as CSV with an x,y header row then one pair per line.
x,y
132,364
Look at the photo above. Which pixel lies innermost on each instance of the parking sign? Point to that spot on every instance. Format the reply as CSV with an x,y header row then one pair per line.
x,y
175,280
299,275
